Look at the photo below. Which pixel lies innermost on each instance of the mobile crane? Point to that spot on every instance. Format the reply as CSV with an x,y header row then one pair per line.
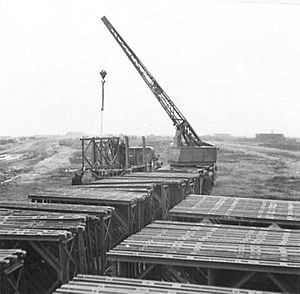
x,y
189,150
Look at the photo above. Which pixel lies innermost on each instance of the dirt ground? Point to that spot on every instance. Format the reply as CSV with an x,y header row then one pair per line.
x,y
34,164
245,167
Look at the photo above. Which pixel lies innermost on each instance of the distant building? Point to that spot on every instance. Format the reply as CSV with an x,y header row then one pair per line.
x,y
270,137
5,137
74,135
222,136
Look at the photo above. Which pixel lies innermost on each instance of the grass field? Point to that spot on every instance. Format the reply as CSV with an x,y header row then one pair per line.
x,y
245,168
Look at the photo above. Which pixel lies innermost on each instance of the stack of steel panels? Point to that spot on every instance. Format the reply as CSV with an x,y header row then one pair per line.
x,y
235,210
54,244
11,268
133,209
97,234
83,284
193,180
215,254
58,245
166,192
97,219
174,190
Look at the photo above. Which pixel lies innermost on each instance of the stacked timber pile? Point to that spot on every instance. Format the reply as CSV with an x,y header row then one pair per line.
x,y
58,245
11,268
83,284
223,255
235,210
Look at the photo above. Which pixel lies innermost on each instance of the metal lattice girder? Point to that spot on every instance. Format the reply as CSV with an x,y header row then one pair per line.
x,y
180,122
127,200
192,180
195,175
11,269
59,244
47,250
102,284
100,153
207,246
168,191
176,187
97,238
163,198
224,209
93,194
87,210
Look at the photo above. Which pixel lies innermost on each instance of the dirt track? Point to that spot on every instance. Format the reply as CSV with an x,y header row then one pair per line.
x,y
34,164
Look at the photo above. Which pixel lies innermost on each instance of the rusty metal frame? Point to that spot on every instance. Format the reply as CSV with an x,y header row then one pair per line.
x,y
100,153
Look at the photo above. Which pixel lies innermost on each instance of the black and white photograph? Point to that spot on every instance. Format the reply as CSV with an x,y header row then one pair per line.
x,y
149,146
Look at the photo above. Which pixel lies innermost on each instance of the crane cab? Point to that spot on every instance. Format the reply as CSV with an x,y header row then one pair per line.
x,y
193,156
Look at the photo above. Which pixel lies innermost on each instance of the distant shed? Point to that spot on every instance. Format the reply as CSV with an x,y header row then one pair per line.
x,y
270,137
223,136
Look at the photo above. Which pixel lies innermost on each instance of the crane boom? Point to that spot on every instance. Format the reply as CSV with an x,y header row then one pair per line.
x,y
184,129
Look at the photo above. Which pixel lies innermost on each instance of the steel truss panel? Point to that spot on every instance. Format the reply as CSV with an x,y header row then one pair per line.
x,y
120,186
11,270
53,256
96,220
261,212
166,175
133,209
179,188
87,210
89,192
59,245
193,180
83,284
166,192
101,153
218,248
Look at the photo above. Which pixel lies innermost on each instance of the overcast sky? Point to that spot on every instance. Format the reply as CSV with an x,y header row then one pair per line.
x,y
230,66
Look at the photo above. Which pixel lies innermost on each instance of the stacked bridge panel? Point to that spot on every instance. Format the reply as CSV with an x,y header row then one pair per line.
x,y
220,255
84,284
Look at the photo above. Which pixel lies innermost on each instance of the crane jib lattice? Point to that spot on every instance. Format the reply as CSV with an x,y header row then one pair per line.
x,y
180,122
